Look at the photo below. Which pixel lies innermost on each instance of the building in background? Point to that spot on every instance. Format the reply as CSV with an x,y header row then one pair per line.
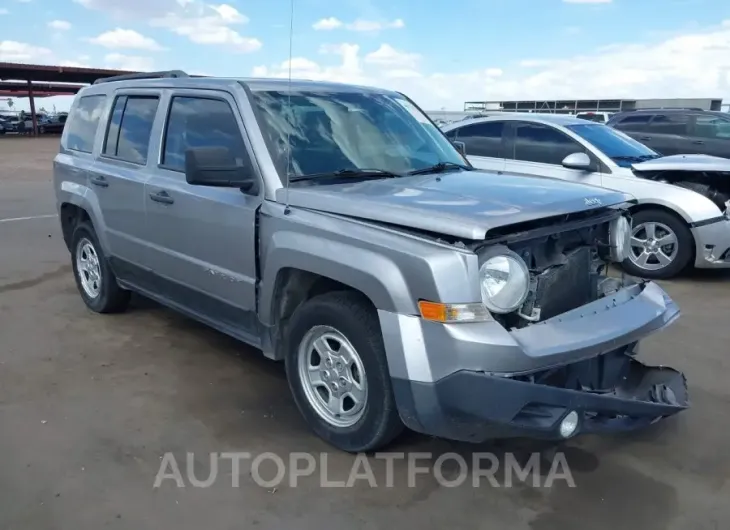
x,y
593,105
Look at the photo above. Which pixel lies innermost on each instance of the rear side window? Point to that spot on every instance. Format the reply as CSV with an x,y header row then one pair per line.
x,y
201,122
540,143
639,122
130,128
81,128
483,139
670,123
712,126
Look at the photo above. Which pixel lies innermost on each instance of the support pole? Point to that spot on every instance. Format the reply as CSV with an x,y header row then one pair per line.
x,y
32,108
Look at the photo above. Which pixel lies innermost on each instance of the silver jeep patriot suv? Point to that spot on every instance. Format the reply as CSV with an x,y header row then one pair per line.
x,y
335,227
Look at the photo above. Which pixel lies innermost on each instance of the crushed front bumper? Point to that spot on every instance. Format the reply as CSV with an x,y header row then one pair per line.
x,y
712,244
471,406
478,381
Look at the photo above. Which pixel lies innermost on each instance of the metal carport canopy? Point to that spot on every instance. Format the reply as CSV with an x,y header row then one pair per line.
x,y
31,74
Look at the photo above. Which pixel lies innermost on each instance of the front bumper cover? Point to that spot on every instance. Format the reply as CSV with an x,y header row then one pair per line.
x,y
712,244
472,406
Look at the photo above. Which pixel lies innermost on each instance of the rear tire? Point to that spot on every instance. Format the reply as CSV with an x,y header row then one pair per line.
x,y
649,258
346,330
95,280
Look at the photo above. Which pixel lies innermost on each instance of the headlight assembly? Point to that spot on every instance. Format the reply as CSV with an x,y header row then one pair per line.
x,y
504,280
619,236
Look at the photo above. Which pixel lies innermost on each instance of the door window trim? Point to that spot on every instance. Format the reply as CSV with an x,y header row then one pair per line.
x,y
140,93
219,95
510,135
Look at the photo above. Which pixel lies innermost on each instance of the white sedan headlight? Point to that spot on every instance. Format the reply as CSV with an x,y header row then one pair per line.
x,y
505,281
619,235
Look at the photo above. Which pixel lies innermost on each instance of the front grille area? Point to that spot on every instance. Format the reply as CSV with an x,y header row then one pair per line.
x,y
567,286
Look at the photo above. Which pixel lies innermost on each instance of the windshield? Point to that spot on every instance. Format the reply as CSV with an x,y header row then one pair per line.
x,y
345,130
621,148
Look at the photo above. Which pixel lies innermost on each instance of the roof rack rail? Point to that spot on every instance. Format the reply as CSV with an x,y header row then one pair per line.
x,y
143,75
664,108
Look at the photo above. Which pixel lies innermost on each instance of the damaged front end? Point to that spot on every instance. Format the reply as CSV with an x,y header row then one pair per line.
x,y
575,338
707,175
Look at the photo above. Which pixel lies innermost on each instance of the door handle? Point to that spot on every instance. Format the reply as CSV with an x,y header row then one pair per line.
x,y
100,181
644,138
698,142
162,197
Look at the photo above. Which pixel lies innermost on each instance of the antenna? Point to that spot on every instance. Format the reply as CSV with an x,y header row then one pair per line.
x,y
289,110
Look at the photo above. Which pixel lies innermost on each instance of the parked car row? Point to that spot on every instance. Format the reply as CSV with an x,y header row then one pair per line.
x,y
338,230
23,124
683,213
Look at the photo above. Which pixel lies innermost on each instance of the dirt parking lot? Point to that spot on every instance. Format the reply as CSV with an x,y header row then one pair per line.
x,y
90,404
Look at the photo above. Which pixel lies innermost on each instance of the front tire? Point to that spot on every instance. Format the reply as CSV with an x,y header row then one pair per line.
x,y
94,278
661,245
338,372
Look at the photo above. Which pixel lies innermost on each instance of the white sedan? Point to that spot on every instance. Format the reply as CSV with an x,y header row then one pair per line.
x,y
683,212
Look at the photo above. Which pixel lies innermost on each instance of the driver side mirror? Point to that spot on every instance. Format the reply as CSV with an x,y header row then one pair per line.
x,y
579,161
218,167
460,146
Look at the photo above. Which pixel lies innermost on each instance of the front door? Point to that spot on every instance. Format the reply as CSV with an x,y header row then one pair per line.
x,y
710,135
203,239
538,149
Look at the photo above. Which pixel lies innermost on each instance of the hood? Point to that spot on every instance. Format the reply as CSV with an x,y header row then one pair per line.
x,y
464,204
685,163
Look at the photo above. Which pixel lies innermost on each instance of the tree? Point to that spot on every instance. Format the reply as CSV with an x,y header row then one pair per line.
x,y
10,103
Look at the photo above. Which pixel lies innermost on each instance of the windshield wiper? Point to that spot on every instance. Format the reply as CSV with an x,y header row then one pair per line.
x,y
440,168
355,173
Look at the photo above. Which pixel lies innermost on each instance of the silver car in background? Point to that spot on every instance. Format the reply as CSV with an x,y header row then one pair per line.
x,y
682,217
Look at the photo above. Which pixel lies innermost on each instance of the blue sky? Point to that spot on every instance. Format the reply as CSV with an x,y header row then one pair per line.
x,y
441,53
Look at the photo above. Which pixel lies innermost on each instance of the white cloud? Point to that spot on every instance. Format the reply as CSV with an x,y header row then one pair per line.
x,y
125,38
389,57
60,25
21,52
327,23
3,11
360,24
129,62
209,24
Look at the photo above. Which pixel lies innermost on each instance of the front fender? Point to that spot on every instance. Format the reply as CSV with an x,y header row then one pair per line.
x,y
690,205
392,269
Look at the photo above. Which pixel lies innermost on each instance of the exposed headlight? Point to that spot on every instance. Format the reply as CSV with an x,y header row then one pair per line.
x,y
505,282
619,236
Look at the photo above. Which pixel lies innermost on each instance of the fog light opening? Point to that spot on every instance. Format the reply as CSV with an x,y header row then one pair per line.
x,y
569,424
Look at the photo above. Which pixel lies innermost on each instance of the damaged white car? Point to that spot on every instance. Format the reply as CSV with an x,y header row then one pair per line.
x,y
682,218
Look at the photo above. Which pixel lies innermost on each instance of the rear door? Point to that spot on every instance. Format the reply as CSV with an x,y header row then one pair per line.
x,y
118,175
667,133
539,149
484,144
710,135
636,126
203,239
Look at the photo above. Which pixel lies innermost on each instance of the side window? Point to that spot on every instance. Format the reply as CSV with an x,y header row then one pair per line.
x,y
540,143
483,139
637,123
451,135
200,122
81,128
671,123
130,128
712,127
